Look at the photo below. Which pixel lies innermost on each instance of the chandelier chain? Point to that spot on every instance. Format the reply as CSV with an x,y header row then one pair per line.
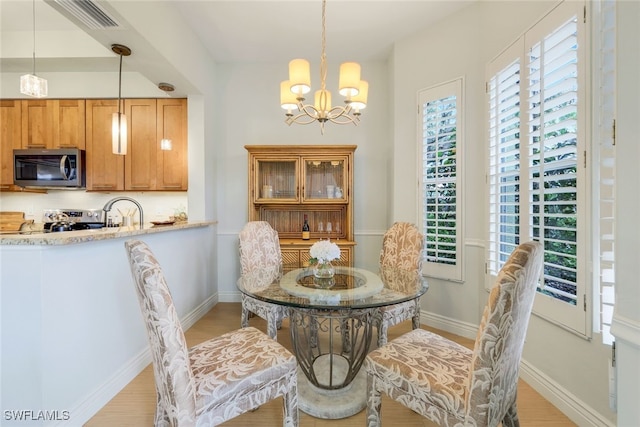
x,y
323,56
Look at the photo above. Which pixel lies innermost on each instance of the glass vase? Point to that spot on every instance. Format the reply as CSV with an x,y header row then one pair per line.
x,y
323,270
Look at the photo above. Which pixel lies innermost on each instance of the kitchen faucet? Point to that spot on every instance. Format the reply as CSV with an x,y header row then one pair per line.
x,y
110,203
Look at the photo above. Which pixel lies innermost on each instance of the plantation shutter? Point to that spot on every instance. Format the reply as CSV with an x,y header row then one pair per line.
x,y
440,136
503,91
607,161
537,160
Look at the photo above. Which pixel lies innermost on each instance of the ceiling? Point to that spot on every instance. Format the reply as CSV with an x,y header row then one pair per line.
x,y
232,30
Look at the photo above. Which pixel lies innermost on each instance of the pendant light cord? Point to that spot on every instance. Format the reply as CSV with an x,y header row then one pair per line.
x,y
119,86
34,36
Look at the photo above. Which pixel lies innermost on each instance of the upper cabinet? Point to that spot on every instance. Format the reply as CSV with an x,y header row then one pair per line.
x,y
86,124
145,167
53,123
289,182
105,170
171,165
314,178
10,139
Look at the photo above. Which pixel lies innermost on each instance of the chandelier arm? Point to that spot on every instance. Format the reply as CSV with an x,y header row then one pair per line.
x,y
300,119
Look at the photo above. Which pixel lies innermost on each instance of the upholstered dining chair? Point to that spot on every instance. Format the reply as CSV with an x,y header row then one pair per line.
x,y
213,381
452,385
260,250
402,246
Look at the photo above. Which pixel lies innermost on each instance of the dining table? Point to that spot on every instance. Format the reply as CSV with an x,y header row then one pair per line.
x,y
331,323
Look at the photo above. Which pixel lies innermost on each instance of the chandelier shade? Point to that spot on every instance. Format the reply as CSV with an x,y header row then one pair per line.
x,y
350,86
30,84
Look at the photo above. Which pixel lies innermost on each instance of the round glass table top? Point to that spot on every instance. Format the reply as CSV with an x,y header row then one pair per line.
x,y
349,288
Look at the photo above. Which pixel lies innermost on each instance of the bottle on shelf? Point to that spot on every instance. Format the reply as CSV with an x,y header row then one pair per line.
x,y
305,228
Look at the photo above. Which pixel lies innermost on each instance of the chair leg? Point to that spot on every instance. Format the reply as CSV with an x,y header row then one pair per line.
x,y
290,407
374,403
383,328
244,320
415,320
272,326
162,418
511,417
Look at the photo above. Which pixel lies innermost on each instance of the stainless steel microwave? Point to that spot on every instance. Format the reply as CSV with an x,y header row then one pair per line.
x,y
58,168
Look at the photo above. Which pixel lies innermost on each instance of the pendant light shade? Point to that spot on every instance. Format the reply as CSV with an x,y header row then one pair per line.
x,y
119,133
119,120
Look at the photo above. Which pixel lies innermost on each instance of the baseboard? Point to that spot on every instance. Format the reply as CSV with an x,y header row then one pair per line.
x,y
85,409
464,329
575,409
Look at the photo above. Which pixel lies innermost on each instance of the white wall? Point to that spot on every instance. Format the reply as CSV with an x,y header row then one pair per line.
x,y
461,46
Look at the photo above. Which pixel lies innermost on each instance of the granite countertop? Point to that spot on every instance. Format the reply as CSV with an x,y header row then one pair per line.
x,y
82,236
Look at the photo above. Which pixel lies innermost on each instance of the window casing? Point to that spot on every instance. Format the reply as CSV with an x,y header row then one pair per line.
x,y
440,141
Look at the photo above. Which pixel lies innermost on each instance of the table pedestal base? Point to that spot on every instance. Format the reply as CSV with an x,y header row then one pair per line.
x,y
332,404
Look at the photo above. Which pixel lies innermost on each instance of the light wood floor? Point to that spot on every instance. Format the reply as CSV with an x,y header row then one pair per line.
x,y
135,404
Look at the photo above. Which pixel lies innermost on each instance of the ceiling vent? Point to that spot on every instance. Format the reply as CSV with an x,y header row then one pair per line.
x,y
89,13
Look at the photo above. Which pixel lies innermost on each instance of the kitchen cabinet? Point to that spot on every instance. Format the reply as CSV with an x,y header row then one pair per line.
x,y
287,182
140,161
10,139
53,123
171,165
105,170
145,167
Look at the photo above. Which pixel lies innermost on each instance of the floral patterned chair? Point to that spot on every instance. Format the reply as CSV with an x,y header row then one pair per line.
x,y
450,384
213,381
402,246
260,250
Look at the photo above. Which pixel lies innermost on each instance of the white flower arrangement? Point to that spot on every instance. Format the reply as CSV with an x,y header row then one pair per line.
x,y
324,250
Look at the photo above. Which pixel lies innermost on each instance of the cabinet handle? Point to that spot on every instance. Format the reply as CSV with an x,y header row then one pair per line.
x,y
172,186
139,186
36,146
102,186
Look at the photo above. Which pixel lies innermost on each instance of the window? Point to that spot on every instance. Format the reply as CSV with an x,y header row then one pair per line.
x,y
537,159
439,142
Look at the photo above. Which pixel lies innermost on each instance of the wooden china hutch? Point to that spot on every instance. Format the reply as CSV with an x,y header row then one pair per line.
x,y
287,182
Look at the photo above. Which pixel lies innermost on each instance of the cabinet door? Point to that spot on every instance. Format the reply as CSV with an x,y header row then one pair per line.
x,y
105,170
140,161
10,138
325,179
37,123
69,123
172,171
276,180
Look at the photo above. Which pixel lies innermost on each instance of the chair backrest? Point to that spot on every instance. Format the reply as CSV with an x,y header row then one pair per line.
x,y
493,376
171,367
402,246
259,248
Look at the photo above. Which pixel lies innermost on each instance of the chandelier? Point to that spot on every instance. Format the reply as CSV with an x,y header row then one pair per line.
x,y
350,86
30,84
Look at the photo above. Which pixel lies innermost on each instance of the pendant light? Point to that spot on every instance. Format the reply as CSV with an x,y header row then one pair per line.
x,y
119,120
30,84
